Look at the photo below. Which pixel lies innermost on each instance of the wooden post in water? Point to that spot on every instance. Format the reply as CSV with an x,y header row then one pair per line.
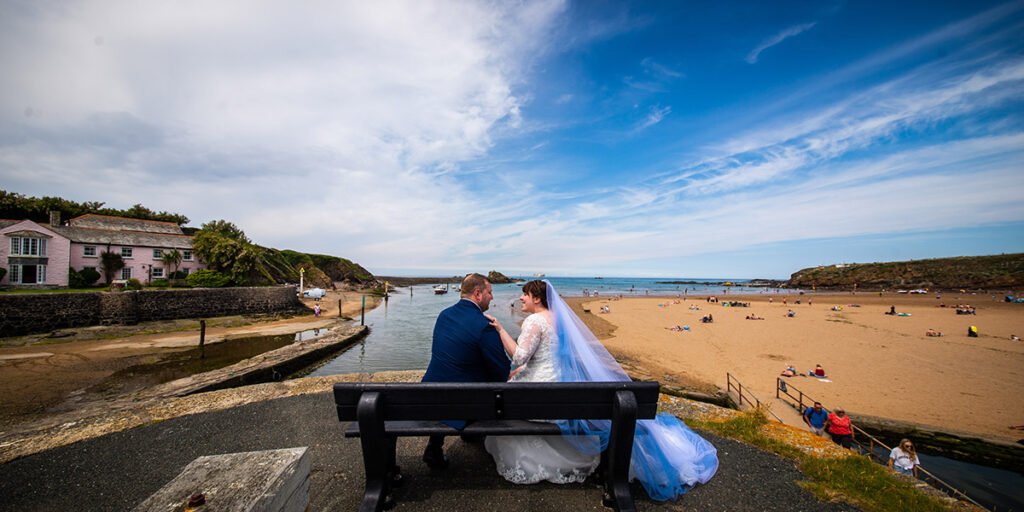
x,y
202,339
362,314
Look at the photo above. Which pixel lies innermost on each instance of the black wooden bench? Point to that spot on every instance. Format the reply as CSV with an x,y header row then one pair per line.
x,y
381,413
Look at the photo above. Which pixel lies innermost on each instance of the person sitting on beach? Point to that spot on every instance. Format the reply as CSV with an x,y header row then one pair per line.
x,y
892,310
819,371
815,417
972,331
933,333
790,371
903,459
606,309
1014,337
791,313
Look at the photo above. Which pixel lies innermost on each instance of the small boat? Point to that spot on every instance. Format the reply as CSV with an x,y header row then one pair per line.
x,y
538,276
440,289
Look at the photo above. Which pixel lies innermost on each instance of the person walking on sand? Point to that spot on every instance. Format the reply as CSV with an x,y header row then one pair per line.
x,y
839,426
903,459
316,310
465,348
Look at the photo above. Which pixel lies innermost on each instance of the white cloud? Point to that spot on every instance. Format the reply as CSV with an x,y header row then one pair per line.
x,y
795,30
654,116
319,126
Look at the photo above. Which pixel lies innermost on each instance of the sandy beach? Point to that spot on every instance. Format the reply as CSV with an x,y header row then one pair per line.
x,y
877,364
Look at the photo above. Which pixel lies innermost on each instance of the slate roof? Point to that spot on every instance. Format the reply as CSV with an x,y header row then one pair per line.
x,y
95,221
127,238
7,222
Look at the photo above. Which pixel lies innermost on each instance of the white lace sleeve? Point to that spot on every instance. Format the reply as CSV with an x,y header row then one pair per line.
x,y
529,341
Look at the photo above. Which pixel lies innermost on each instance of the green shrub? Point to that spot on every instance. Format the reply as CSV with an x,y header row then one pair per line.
x,y
89,276
134,284
207,279
3,272
159,283
75,279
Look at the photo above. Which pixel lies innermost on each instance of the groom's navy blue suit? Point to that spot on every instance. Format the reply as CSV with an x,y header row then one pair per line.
x,y
466,348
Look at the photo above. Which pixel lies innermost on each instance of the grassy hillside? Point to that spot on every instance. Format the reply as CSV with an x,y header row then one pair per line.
x,y
1004,271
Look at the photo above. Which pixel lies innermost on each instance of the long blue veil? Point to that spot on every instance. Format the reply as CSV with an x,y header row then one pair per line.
x,y
668,457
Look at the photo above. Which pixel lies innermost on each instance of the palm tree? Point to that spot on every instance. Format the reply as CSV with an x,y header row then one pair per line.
x,y
171,259
111,263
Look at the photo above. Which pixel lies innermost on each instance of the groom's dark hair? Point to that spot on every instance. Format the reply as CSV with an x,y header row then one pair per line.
x,y
537,289
473,282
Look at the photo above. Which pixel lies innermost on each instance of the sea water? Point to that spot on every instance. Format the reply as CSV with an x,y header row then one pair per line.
x,y
401,328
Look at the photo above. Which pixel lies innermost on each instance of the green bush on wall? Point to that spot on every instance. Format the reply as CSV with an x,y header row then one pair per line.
x,y
159,283
207,279
89,276
134,284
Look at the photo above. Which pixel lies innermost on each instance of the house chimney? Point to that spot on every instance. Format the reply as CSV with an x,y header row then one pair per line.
x,y
55,217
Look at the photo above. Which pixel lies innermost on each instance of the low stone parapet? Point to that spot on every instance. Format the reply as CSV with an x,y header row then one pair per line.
x,y
264,481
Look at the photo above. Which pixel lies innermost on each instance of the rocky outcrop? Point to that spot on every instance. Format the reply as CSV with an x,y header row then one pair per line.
x,y
496,277
1001,272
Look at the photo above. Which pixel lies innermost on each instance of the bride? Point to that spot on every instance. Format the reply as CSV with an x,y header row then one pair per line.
x,y
555,346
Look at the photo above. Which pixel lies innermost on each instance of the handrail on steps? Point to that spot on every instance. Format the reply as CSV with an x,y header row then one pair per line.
x,y
740,392
781,388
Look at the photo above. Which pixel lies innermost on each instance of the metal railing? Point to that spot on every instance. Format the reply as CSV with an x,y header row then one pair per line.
x,y
734,383
781,388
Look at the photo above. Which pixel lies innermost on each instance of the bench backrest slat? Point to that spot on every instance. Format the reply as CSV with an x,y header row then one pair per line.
x,y
485,401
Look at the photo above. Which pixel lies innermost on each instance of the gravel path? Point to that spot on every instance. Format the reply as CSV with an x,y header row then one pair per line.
x,y
117,471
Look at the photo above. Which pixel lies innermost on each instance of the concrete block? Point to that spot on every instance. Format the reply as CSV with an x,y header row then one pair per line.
x,y
265,481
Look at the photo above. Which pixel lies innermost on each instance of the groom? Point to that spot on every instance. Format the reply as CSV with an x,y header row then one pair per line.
x,y
465,349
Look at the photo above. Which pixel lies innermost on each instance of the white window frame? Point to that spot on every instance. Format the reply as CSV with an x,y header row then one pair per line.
x,y
186,255
89,251
28,246
158,273
15,274
126,273
126,253
158,254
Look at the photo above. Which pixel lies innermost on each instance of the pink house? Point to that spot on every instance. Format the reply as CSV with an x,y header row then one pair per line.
x,y
40,255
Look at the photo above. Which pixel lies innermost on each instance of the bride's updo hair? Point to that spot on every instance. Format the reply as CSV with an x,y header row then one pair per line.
x,y
537,289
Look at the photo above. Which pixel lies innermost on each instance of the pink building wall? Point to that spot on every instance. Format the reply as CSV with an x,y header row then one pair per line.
x,y
140,262
58,253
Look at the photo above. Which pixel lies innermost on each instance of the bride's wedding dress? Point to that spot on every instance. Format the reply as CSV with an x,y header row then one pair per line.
x,y
531,459
668,458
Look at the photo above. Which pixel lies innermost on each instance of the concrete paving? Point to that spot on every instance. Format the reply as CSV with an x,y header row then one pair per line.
x,y
120,470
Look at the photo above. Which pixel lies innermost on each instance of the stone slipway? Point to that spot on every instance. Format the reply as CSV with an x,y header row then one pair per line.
x,y
266,367
90,418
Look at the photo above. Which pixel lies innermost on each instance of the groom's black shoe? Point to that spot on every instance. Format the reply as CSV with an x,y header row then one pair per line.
x,y
433,456
472,438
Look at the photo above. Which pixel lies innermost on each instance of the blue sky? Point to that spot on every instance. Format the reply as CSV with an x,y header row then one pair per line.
x,y
688,139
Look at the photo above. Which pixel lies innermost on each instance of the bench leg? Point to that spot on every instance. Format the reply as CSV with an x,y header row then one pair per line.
x,y
619,453
378,453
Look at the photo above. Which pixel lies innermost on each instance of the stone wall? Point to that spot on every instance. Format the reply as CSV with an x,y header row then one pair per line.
x,y
34,313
